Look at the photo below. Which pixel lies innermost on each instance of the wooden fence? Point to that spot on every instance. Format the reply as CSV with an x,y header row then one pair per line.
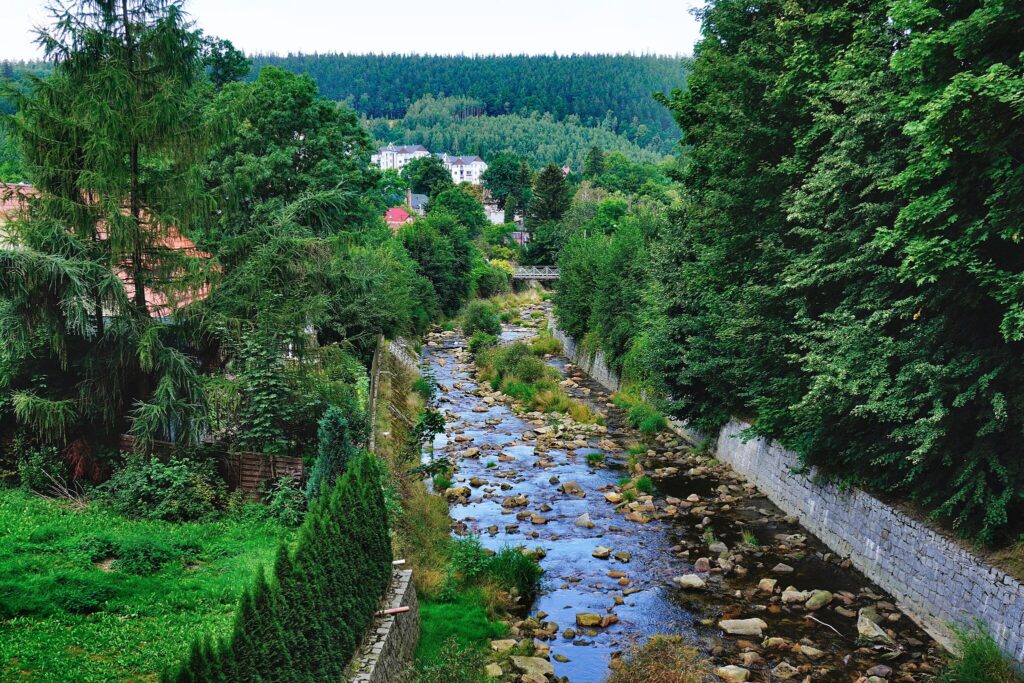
x,y
241,470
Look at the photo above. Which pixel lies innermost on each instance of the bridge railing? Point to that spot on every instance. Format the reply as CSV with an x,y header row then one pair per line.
x,y
535,273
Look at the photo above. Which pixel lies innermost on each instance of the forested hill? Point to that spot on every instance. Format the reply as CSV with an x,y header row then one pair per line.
x,y
588,86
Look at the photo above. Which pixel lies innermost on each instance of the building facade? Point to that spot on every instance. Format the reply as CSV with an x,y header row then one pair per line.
x,y
395,157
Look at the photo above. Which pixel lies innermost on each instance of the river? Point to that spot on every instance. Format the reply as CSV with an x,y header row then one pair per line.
x,y
702,510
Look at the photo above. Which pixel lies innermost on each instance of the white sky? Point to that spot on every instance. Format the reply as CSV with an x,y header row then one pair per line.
x,y
422,26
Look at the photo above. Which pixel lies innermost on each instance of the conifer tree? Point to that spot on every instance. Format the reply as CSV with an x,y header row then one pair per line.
x,y
593,165
111,142
551,196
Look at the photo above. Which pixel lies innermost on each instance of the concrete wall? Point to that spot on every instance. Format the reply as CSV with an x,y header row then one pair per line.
x,y
936,581
594,365
387,653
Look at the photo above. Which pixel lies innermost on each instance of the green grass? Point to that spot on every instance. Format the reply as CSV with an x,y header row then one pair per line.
x,y
979,661
88,595
644,485
594,459
463,620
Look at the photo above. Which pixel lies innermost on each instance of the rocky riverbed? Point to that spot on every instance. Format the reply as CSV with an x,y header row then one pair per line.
x,y
705,555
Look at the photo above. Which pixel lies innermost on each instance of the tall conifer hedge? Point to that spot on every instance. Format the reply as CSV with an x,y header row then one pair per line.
x,y
304,620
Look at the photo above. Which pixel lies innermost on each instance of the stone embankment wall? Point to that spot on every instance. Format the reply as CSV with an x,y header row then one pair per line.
x,y
387,653
936,581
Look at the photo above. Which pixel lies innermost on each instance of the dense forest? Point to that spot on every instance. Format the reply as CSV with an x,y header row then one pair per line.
x,y
609,91
844,266
458,125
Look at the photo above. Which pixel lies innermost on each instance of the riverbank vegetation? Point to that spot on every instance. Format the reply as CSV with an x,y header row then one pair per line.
x,y
842,265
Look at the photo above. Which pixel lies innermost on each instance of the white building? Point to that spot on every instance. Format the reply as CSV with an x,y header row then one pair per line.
x,y
395,157
464,169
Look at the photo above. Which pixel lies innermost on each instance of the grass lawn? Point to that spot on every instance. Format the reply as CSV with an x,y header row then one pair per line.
x,y
88,595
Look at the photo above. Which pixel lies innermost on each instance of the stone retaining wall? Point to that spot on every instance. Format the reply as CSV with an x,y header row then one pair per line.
x,y
592,364
386,654
936,581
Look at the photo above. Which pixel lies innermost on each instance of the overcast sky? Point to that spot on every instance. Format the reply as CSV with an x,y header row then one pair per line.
x,y
423,26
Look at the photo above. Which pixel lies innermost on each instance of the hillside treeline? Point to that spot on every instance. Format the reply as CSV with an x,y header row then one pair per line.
x,y
610,90
845,266
455,125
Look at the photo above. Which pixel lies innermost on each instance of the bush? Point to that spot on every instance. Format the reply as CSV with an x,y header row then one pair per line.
x,y
452,663
141,556
491,280
181,490
81,594
334,449
644,417
979,661
530,369
520,391
515,572
663,659
38,469
321,595
480,341
426,387
545,344
644,484
481,316
285,501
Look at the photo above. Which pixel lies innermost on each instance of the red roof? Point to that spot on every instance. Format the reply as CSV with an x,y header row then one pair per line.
x,y
397,214
14,196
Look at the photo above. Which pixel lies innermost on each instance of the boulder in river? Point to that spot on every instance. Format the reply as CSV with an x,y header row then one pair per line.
x,y
818,600
870,631
584,521
743,627
533,666
571,488
588,619
690,582
601,552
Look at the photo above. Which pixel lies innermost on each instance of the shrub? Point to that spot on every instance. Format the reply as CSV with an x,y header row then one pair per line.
x,y
594,459
426,387
442,482
181,490
514,572
142,556
520,391
663,659
529,369
453,663
490,280
38,469
285,501
321,596
468,558
334,449
979,661
644,417
545,344
480,341
644,485
481,316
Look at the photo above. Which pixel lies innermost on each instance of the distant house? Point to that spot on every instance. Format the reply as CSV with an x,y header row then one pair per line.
x,y
464,169
395,157
14,198
417,202
396,217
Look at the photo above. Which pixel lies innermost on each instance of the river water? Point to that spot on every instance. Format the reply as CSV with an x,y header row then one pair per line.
x,y
513,459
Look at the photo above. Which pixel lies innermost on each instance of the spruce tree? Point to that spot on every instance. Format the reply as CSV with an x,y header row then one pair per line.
x,y
551,196
593,165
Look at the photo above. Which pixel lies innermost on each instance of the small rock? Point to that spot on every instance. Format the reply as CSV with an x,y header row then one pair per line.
x,y
718,548
493,670
614,498
571,488
690,582
584,521
503,645
622,556
743,627
733,673
880,670
767,585
785,671
702,565
870,631
601,552
588,619
533,666
459,494
818,600
781,568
